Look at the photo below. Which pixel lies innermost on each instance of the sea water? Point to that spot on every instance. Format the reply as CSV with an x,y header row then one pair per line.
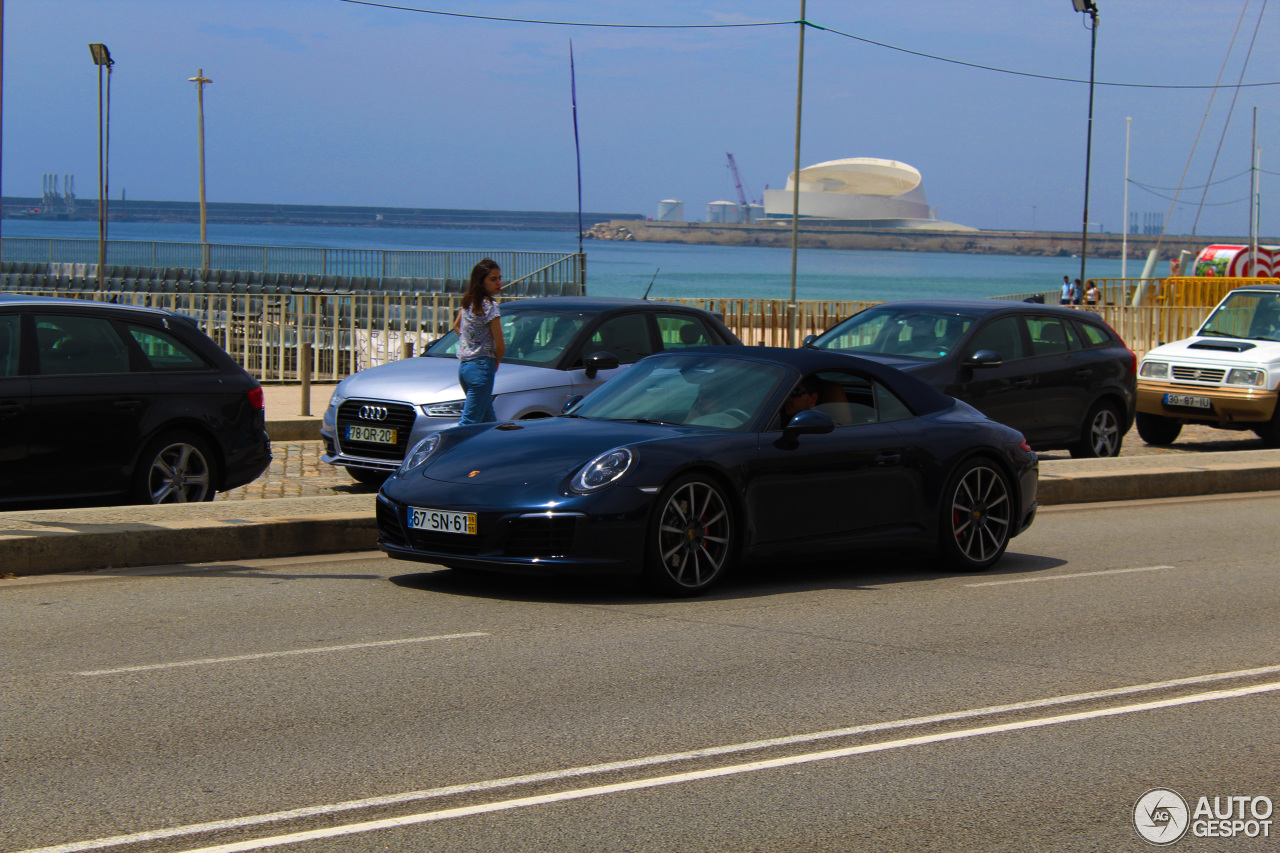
x,y
673,269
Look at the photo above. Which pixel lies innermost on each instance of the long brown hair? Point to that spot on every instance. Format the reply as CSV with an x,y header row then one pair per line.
x,y
473,299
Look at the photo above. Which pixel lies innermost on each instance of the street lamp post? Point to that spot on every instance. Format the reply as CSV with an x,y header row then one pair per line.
x,y
200,80
1091,9
102,59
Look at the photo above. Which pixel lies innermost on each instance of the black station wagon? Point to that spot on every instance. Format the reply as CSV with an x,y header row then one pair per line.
x,y
102,402
1060,376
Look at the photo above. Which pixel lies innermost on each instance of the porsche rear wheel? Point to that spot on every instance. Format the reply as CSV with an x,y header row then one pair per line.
x,y
977,516
691,538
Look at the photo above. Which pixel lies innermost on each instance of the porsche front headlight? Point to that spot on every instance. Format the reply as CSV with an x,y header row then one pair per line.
x,y
420,452
604,470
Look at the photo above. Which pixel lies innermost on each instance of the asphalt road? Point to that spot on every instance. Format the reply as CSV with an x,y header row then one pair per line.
x,y
872,706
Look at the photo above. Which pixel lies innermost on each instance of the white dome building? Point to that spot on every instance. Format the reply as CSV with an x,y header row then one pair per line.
x,y
863,191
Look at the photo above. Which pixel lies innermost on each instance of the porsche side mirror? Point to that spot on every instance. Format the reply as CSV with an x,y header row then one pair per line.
x,y
808,422
808,339
984,358
571,402
598,361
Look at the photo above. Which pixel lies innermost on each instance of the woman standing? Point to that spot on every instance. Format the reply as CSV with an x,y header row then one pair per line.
x,y
480,343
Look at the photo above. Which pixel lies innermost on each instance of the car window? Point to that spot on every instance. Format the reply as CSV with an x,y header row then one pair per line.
x,y
73,345
684,330
852,399
165,352
531,337
9,339
1048,335
1245,314
537,337
1003,335
908,331
625,336
1095,336
698,390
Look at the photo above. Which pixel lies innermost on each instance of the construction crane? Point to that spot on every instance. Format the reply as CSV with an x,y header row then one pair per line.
x,y
742,196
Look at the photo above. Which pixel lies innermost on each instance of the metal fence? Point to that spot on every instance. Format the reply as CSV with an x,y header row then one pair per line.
x,y
368,263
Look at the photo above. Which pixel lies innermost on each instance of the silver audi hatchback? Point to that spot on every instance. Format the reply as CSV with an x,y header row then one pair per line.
x,y
556,348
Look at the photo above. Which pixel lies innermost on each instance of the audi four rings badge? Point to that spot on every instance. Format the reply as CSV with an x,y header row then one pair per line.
x,y
373,413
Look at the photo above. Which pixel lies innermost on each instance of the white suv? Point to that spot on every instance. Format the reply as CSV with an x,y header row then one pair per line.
x,y
1225,376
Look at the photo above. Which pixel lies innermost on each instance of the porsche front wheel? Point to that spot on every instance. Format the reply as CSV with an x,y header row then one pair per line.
x,y
691,538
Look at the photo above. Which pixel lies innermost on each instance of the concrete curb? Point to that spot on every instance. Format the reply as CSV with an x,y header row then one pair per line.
x,y
67,540
294,429
50,541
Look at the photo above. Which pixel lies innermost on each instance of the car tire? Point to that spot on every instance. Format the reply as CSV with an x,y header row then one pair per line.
x,y
369,476
176,467
692,537
1157,430
977,516
1102,434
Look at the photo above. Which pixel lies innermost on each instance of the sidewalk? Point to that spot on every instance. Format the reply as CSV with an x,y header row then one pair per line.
x,y
304,506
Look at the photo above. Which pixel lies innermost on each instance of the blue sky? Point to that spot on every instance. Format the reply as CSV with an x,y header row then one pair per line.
x,y
333,102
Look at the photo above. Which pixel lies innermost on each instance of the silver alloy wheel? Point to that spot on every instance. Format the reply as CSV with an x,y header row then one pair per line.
x,y
1104,433
981,514
179,473
694,534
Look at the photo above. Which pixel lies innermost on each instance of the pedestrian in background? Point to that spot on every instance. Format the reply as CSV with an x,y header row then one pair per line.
x,y
1065,298
1076,292
480,343
1091,294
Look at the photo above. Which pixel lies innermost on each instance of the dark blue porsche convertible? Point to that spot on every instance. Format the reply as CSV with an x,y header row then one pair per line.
x,y
697,459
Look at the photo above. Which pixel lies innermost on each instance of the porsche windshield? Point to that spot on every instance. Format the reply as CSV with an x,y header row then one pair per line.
x,y
914,332
534,337
694,390
1250,315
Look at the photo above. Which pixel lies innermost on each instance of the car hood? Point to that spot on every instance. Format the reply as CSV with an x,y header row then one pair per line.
x,y
1214,350
434,380
519,453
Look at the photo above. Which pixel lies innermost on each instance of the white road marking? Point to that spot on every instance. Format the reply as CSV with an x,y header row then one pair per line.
x,y
631,764
1068,577
732,770
289,652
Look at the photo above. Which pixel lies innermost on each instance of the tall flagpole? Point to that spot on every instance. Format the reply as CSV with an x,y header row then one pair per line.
x,y
795,178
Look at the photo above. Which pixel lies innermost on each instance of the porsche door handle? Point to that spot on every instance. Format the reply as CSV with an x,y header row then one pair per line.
x,y
1084,373
888,458
1021,383
127,404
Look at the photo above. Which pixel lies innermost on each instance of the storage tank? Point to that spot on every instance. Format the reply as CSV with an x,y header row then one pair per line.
x,y
671,210
723,212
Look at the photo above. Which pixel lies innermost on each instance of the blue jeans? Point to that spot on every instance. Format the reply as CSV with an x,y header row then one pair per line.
x,y
476,378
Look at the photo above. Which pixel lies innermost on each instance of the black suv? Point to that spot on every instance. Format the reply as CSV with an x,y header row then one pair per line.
x,y
1060,376
100,402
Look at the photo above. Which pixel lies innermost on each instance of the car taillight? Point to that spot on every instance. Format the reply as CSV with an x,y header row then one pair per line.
x,y
256,398
1026,448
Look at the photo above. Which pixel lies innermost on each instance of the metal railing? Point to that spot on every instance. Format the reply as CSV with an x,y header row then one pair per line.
x,y
296,260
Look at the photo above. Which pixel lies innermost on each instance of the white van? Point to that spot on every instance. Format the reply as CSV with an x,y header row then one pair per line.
x,y
1224,376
